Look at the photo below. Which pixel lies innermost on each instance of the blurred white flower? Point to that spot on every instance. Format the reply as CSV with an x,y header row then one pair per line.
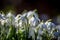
x,y
39,37
20,24
31,33
18,16
2,22
48,21
58,27
40,32
23,18
30,14
50,25
2,16
33,21
8,23
42,25
9,14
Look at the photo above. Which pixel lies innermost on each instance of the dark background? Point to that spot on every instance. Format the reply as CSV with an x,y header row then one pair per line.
x,y
49,7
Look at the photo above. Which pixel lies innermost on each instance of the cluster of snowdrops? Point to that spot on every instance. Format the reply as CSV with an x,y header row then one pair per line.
x,y
26,26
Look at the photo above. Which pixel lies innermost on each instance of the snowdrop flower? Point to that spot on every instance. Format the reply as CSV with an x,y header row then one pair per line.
x,y
58,27
30,14
42,25
32,33
36,16
40,32
20,20
48,21
9,14
20,23
49,24
35,30
33,18
53,25
2,22
39,37
2,16
10,18
23,18
24,15
42,28
33,21
17,18
8,22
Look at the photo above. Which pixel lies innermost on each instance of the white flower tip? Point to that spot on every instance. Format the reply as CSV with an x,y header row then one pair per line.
x,y
9,14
